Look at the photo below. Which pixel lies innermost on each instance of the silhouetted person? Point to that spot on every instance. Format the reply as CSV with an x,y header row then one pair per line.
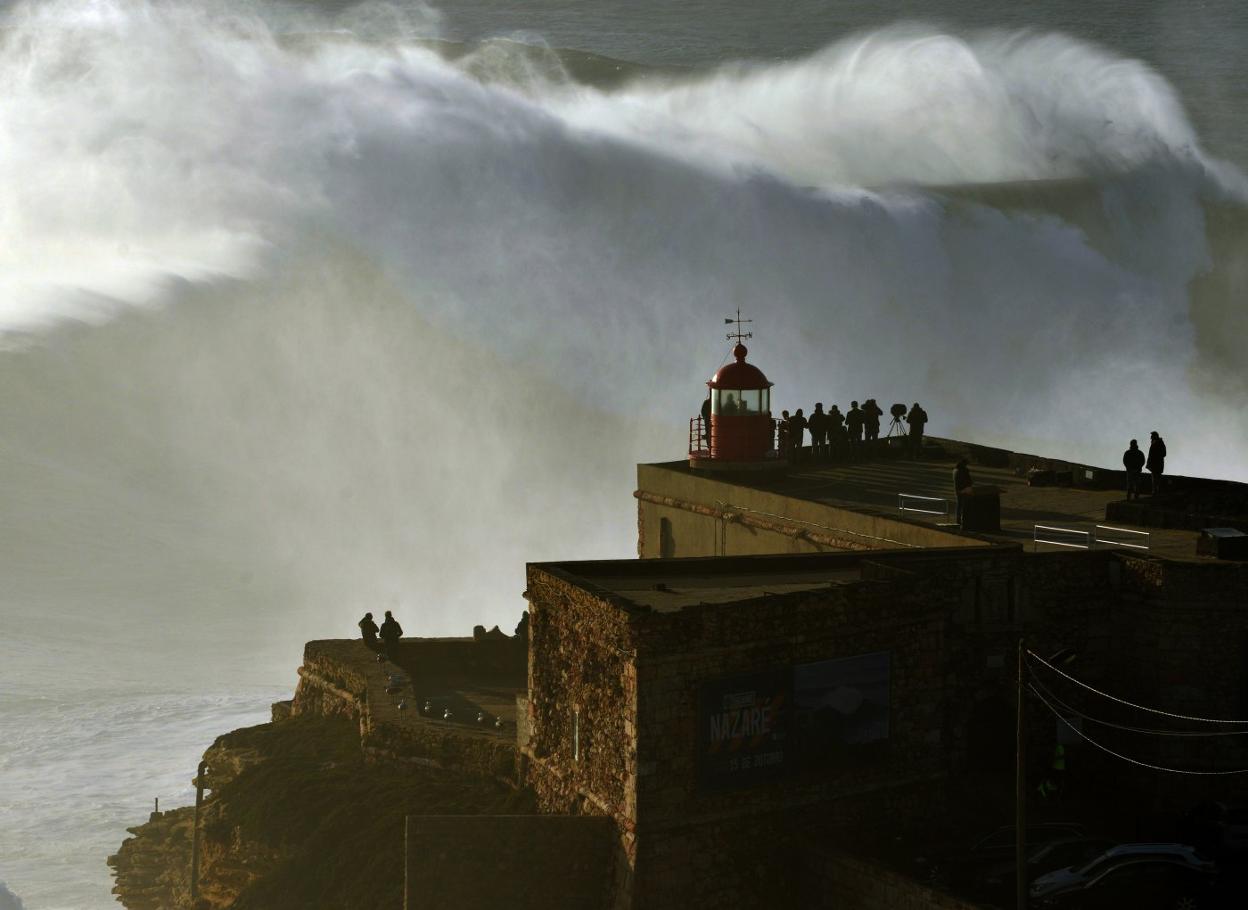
x,y
853,425
368,629
917,419
817,423
706,422
871,414
391,632
797,425
728,404
836,430
1156,459
782,433
1133,461
962,485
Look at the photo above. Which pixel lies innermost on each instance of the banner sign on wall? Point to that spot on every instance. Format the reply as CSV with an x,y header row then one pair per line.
x,y
743,733
841,706
809,718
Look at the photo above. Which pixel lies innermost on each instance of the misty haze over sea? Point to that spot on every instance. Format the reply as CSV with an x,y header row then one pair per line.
x,y
310,309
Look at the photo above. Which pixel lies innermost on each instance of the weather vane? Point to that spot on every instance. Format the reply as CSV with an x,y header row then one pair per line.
x,y
739,322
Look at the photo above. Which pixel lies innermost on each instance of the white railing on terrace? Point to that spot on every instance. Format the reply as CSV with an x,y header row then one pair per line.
x,y
909,502
1139,540
1066,537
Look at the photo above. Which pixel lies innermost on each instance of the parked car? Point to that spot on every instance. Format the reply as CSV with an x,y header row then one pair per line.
x,y
1136,876
1216,828
996,881
959,865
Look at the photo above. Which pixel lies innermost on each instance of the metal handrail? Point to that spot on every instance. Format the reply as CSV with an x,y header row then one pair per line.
x,y
1037,539
1121,543
699,433
902,507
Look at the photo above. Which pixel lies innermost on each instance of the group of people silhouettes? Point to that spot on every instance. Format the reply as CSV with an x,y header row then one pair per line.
x,y
1134,461
835,435
389,633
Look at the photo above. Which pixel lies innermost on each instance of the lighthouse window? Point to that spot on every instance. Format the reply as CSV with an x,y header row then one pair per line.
x,y
740,401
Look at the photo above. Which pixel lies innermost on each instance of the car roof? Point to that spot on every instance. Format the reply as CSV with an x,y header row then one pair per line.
x,y
1149,849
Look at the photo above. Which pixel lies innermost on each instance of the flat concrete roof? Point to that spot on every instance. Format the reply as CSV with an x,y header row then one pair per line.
x,y
873,486
665,593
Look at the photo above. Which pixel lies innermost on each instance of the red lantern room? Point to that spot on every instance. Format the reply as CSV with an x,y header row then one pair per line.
x,y
736,432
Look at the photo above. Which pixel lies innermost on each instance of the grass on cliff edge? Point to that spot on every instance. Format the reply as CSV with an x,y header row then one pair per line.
x,y
338,821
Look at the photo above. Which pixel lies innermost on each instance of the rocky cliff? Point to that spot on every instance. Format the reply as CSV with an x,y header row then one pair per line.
x,y
296,818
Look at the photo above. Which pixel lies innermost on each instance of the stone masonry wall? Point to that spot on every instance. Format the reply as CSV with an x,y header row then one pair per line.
x,y
521,862
841,881
734,849
580,757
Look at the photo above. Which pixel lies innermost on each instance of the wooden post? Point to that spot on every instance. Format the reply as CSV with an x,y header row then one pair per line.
x,y
1020,787
199,801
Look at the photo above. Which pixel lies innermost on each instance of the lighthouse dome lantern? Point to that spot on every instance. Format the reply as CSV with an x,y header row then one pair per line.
x,y
740,387
736,432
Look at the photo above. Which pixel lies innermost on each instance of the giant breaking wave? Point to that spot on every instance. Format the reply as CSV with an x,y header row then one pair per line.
x,y
304,320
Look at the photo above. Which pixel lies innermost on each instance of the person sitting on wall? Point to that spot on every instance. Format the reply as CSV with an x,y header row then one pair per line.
x,y
1133,461
871,415
962,485
1156,459
391,632
853,425
368,629
917,419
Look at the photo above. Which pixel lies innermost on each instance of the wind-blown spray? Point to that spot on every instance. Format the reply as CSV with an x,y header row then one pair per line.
x,y
302,322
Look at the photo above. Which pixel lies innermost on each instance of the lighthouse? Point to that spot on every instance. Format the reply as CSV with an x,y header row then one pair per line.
x,y
736,433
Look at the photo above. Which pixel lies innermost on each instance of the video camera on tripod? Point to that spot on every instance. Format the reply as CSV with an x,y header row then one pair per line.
x,y
898,412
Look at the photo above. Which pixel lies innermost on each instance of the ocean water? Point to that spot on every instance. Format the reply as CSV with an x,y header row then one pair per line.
x,y
308,309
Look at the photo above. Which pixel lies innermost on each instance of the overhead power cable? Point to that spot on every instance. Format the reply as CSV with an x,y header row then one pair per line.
x,y
1119,755
1122,701
1109,723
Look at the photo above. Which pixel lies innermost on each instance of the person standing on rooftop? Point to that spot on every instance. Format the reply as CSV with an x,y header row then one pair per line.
x,y
1156,459
836,432
871,415
391,632
368,629
853,425
1133,461
797,423
817,423
962,485
917,419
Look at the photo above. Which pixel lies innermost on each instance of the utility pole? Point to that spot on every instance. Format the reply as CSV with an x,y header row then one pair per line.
x,y
199,801
1020,787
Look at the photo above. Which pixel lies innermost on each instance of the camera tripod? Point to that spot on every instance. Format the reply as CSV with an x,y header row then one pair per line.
x,y
896,428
